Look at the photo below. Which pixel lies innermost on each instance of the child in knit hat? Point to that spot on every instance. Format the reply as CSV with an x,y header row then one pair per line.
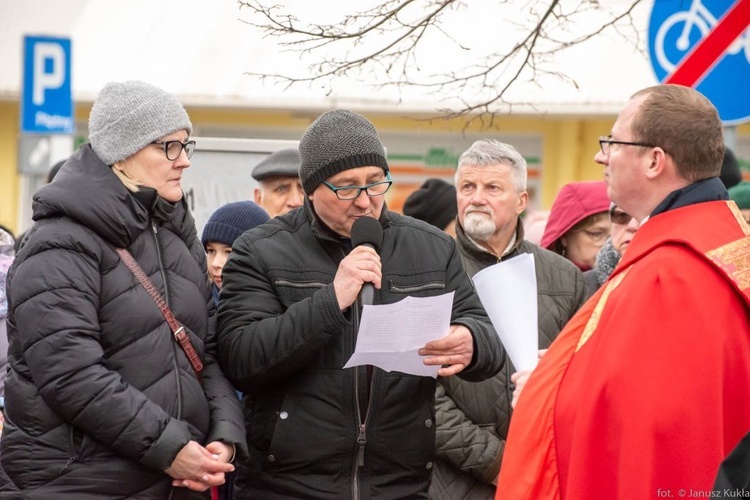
x,y
222,228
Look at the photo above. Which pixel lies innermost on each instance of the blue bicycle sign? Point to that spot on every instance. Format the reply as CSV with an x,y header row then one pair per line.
x,y
676,26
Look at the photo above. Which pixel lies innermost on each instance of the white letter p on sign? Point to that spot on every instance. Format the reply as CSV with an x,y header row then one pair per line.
x,y
44,80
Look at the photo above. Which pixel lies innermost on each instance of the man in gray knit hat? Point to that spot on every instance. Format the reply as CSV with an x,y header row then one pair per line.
x,y
288,321
279,189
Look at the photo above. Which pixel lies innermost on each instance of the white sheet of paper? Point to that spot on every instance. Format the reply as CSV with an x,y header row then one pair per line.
x,y
508,293
391,334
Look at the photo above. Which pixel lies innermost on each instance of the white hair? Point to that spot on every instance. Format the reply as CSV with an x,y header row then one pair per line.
x,y
486,152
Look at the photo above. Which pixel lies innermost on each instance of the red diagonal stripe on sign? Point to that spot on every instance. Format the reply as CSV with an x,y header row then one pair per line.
x,y
709,50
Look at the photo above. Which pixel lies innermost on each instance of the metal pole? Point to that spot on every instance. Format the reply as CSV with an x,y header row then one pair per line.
x,y
730,138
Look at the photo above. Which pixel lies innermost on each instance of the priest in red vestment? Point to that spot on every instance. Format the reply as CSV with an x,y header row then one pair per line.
x,y
647,388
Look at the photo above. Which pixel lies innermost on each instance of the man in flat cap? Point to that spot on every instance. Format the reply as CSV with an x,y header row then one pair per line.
x,y
279,188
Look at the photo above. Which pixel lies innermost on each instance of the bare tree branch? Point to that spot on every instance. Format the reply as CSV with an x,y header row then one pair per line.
x,y
391,40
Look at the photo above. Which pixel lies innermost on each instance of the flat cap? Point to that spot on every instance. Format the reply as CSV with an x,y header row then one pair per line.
x,y
284,162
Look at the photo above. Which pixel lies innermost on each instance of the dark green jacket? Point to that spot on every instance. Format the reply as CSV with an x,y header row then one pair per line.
x,y
473,419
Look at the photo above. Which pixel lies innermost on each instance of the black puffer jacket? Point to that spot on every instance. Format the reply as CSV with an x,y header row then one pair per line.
x,y
473,419
99,397
312,431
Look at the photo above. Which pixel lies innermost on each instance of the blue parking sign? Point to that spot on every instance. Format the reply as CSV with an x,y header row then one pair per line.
x,y
47,99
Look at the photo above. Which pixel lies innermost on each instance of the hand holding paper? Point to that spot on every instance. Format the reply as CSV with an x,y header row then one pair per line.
x,y
453,352
390,336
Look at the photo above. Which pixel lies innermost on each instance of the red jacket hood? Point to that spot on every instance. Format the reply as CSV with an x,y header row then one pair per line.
x,y
574,202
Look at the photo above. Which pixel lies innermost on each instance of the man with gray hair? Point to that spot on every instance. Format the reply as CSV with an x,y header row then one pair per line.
x,y
473,419
289,318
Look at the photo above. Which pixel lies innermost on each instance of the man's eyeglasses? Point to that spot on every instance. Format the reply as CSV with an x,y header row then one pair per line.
x,y
352,192
606,141
173,148
619,217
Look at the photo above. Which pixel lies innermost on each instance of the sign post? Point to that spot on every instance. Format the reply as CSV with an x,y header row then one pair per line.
x,y
47,102
706,47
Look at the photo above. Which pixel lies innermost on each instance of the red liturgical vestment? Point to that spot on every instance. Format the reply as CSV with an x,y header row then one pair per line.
x,y
646,389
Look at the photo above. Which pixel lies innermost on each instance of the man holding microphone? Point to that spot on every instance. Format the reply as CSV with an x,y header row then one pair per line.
x,y
289,317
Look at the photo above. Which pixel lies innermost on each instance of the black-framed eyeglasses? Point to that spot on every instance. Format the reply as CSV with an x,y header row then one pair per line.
x,y
606,141
619,217
352,192
173,148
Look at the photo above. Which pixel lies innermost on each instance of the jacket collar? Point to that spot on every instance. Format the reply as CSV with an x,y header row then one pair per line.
x,y
475,251
88,192
711,189
323,232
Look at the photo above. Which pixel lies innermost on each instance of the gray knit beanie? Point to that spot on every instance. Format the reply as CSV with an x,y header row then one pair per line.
x,y
127,116
338,140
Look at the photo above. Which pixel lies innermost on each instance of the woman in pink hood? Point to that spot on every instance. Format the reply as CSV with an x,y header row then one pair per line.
x,y
578,223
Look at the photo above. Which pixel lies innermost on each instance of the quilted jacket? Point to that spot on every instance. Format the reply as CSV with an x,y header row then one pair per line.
x,y
99,397
473,418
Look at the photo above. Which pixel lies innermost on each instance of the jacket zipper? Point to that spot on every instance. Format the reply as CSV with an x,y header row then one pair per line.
x,y
299,284
73,449
417,288
174,348
166,299
359,460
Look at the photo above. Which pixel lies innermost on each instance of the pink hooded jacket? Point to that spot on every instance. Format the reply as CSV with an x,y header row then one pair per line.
x,y
574,202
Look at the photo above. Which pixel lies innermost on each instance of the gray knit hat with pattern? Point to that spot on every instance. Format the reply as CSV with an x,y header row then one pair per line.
x,y
338,140
127,116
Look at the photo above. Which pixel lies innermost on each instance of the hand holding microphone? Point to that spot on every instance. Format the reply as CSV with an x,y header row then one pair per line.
x,y
360,271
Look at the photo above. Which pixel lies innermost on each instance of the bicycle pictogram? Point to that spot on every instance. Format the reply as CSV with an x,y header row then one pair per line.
x,y
683,29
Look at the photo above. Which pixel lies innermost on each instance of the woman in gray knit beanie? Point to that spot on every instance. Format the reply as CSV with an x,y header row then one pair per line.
x,y
129,123
102,400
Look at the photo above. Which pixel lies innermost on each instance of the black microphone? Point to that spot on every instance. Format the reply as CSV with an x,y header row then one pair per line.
x,y
367,231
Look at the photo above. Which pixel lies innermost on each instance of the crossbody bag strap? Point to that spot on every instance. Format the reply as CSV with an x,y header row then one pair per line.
x,y
177,329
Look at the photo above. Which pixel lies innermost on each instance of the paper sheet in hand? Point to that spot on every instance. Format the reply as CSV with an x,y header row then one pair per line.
x,y
508,293
390,335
